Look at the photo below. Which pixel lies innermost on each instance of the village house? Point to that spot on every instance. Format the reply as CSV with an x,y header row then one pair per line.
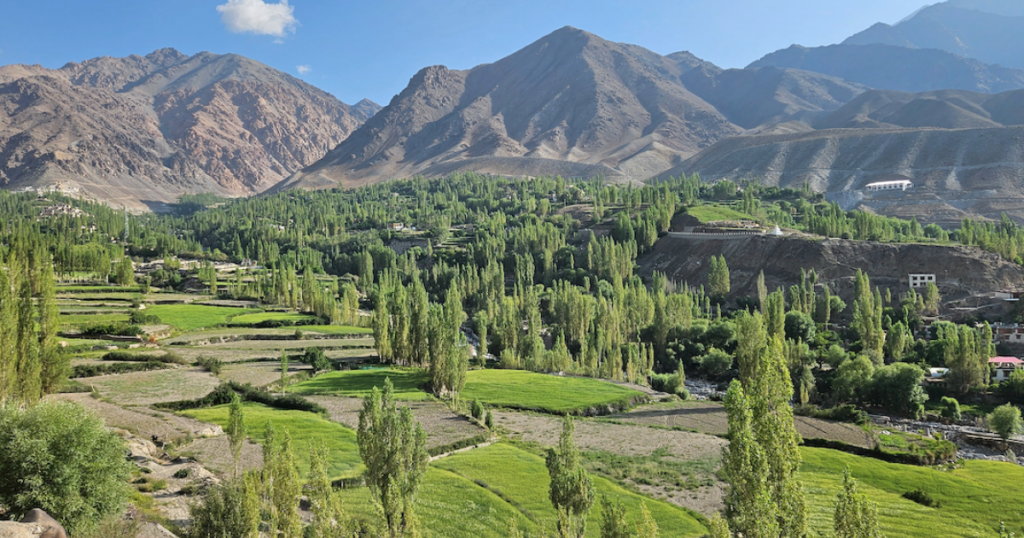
x,y
1011,333
1004,366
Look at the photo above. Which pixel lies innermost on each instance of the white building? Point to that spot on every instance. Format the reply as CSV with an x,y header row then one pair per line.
x,y
920,280
895,185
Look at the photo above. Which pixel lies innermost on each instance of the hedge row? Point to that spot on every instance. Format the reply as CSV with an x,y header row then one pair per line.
x,y
223,394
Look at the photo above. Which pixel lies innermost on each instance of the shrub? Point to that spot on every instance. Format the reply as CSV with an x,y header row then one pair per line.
x,y
59,457
223,395
951,409
716,363
114,329
921,497
139,317
841,413
489,420
124,356
210,364
1005,421
315,357
477,410
93,370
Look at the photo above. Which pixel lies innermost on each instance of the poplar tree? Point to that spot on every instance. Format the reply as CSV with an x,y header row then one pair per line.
x,y
8,337
236,430
286,490
55,365
718,277
855,516
572,490
393,448
748,505
647,527
28,370
324,503
419,309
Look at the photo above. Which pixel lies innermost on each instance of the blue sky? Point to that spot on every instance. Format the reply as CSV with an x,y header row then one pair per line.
x,y
371,49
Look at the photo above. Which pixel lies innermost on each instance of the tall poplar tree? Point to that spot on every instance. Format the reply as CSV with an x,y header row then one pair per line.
x,y
55,365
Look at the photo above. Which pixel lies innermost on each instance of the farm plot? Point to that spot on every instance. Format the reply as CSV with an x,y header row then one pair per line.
x,y
442,425
303,427
259,374
710,418
189,317
408,383
286,317
674,465
516,389
523,478
145,388
971,498
143,423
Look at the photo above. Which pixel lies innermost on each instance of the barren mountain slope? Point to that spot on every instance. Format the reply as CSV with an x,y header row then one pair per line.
x,y
890,67
945,109
991,31
762,96
140,130
979,171
603,108
961,272
570,96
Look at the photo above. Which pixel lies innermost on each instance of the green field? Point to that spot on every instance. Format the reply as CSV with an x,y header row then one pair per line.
x,y
96,289
408,383
334,329
305,428
85,319
189,317
710,213
973,499
523,478
290,317
516,389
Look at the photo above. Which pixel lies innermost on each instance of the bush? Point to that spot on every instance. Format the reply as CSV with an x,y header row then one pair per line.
x,y
93,370
124,356
139,317
315,357
921,497
489,420
716,363
223,394
59,457
951,409
1005,421
799,326
842,413
210,364
113,329
477,410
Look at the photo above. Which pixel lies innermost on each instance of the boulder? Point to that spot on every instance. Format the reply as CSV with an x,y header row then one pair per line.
x,y
51,528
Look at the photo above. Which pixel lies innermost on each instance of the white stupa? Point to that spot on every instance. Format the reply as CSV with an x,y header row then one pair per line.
x,y
776,231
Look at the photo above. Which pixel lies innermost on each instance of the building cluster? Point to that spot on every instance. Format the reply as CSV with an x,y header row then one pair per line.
x,y
895,185
60,210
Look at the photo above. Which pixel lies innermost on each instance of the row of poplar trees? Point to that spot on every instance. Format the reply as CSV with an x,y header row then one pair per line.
x,y
32,363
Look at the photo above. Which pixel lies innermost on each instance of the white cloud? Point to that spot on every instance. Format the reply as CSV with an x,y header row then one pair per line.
x,y
303,69
258,17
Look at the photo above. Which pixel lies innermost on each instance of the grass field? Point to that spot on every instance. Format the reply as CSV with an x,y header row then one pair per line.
x,y
189,317
334,329
973,499
517,389
408,383
144,388
86,319
290,317
305,428
709,213
97,289
523,478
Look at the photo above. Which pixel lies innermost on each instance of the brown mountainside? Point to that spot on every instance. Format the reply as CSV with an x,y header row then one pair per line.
x,y
570,101
146,129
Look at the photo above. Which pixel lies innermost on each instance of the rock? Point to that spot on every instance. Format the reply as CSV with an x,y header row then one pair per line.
x,y
13,529
51,527
212,431
154,530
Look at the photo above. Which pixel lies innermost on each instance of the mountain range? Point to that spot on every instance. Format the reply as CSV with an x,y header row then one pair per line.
x,y
140,131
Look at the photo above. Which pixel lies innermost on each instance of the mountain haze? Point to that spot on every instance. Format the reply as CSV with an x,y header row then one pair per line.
x,y
145,129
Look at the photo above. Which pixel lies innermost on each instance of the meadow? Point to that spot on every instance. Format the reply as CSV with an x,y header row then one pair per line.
x,y
517,389
305,428
189,317
710,213
972,499
408,383
260,317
